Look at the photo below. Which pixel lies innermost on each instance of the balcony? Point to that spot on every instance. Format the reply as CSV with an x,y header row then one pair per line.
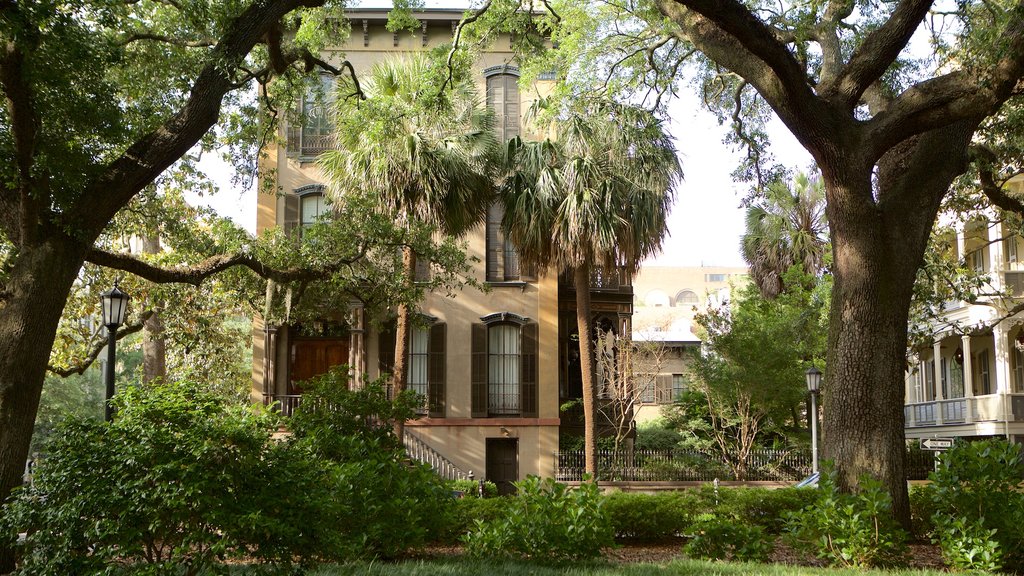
x,y
309,142
954,411
601,281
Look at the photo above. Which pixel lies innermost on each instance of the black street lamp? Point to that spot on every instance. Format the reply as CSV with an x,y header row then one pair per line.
x,y
813,385
115,302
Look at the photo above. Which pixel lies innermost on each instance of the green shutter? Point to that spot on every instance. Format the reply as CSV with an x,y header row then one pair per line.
x,y
528,370
478,371
494,244
436,370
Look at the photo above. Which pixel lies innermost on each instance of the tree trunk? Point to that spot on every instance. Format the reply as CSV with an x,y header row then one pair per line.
x,y
39,283
587,367
879,236
398,374
154,345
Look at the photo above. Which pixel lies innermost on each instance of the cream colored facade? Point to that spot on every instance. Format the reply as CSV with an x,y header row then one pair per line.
x,y
499,446
666,299
969,382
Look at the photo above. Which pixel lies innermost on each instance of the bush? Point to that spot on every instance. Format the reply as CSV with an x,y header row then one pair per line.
x,y
177,481
650,516
851,530
656,436
977,482
546,520
722,539
471,488
764,507
390,505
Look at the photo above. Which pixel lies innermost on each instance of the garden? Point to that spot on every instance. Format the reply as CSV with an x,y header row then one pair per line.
x,y
182,482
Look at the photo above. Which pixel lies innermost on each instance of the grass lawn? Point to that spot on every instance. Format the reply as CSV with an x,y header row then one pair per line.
x,y
464,567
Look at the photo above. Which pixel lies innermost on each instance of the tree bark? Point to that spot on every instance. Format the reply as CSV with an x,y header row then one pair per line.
x,y
400,369
584,324
38,285
154,345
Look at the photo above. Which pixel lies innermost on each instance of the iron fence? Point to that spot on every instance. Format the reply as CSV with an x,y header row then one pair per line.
x,y
705,466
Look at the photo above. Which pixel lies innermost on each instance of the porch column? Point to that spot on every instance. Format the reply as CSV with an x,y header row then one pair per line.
x,y
269,360
995,255
965,342
910,391
1001,340
356,346
937,381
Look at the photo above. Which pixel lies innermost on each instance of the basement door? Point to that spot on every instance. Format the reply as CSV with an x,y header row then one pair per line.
x,y
503,463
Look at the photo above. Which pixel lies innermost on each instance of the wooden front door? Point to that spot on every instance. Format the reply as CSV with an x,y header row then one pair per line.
x,y
314,357
503,463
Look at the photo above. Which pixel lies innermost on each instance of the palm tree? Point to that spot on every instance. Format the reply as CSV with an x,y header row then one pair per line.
x,y
426,156
786,228
596,197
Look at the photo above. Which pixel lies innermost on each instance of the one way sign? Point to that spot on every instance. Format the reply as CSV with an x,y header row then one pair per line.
x,y
937,444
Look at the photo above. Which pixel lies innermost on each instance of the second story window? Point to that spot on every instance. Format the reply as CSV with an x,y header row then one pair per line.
x,y
310,128
311,208
503,100
503,370
502,260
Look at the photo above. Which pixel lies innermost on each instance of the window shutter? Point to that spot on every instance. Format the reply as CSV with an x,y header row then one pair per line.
x,y
511,112
386,349
291,213
663,388
494,244
528,370
436,370
478,371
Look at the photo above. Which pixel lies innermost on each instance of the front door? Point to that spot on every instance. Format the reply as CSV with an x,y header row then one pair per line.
x,y
314,357
503,463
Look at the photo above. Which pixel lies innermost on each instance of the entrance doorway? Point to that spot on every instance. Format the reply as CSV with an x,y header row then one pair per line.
x,y
313,357
503,463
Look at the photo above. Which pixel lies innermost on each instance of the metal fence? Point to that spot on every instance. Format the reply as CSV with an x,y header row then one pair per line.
x,y
703,466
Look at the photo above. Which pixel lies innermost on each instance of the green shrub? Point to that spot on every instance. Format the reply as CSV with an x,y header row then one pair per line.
x,y
967,544
176,482
922,508
546,520
851,530
650,516
390,505
723,539
464,512
764,507
655,436
979,483
471,488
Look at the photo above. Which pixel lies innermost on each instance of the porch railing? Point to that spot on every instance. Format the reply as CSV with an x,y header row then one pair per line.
x,y
286,403
418,449
987,408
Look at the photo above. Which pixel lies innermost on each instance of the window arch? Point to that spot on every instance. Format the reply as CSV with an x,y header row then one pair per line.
x,y
504,366
503,99
687,297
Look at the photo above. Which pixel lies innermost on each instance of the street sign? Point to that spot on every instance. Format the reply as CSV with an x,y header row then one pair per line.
x,y
937,444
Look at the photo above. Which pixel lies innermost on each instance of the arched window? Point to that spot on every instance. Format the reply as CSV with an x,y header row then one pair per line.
x,y
503,100
504,366
687,297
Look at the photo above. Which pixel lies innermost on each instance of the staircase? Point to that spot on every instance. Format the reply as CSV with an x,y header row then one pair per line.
x,y
417,449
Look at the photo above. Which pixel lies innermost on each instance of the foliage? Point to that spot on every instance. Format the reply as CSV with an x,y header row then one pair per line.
x,y
465,512
178,480
471,488
718,539
638,516
749,377
657,435
851,530
967,544
546,521
977,504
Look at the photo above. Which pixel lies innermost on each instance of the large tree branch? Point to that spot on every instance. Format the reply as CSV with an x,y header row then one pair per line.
x,y
728,33
875,54
968,94
151,154
18,208
97,347
985,160
195,275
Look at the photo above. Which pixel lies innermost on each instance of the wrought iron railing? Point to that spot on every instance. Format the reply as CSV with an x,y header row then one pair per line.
x,y
701,466
417,449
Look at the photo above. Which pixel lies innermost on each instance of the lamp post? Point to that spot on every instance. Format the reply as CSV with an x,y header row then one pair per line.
x,y
115,302
813,385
